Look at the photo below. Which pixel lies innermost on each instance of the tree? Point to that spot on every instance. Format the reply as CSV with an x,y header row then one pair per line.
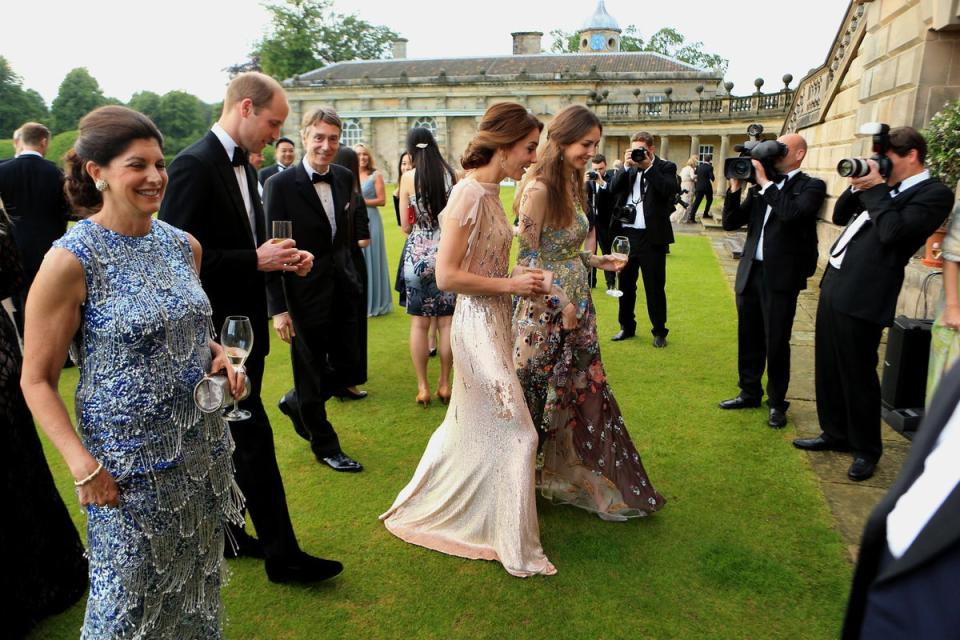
x,y
667,41
181,117
307,34
78,95
18,105
146,102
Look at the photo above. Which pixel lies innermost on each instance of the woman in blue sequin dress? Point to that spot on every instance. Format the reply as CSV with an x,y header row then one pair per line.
x,y
153,473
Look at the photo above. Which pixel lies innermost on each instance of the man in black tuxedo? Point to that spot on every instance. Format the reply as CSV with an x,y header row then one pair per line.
x,y
285,156
889,219
779,255
32,191
212,194
907,576
601,207
650,187
317,314
703,188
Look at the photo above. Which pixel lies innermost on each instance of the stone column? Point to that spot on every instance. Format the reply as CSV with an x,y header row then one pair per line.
x,y
718,164
664,146
695,146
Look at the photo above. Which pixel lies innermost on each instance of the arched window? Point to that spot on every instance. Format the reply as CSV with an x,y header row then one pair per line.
x,y
427,122
352,132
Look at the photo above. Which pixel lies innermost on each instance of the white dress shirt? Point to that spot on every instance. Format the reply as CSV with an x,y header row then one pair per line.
x,y
636,199
766,216
325,192
229,144
29,152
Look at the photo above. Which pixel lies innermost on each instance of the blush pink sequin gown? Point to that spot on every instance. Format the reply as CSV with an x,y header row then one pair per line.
x,y
473,493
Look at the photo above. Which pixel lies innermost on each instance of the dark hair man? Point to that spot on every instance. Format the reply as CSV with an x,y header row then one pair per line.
x,y
212,194
889,219
285,155
703,188
779,255
601,207
649,188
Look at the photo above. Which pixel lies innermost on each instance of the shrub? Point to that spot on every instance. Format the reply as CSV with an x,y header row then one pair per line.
x,y
943,144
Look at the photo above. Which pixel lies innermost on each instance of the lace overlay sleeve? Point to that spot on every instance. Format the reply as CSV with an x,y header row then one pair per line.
x,y
464,207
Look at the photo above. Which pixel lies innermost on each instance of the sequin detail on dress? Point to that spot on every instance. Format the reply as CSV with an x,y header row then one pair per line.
x,y
156,560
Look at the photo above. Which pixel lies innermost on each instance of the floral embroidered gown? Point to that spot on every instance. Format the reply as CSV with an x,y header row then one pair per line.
x,y
589,459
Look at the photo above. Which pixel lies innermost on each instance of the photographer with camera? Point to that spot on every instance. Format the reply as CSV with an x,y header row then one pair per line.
x,y
645,191
601,207
780,253
892,206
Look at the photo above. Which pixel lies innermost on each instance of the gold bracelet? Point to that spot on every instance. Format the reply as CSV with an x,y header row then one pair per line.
x,y
80,483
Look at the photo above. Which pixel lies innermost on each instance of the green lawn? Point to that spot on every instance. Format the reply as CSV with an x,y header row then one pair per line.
x,y
743,549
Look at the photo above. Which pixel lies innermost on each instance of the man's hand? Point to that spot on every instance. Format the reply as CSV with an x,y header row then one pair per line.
x,y
278,256
872,179
627,160
304,264
283,325
761,173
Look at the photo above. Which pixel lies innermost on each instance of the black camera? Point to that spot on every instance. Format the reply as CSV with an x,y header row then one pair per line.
x,y
638,155
858,167
766,152
627,214
593,175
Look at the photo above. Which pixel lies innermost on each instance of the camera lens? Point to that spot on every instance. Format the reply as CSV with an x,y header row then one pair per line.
x,y
853,168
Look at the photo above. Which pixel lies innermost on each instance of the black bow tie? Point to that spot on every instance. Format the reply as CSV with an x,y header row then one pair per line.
x,y
325,177
239,157
895,189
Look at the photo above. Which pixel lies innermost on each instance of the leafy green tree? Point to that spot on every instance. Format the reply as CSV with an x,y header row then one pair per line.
x,y
18,105
182,115
147,103
307,34
79,94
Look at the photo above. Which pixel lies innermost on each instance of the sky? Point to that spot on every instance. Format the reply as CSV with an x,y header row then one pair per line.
x,y
131,45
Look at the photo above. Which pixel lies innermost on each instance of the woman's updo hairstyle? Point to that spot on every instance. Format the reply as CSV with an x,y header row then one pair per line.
x,y
105,133
503,125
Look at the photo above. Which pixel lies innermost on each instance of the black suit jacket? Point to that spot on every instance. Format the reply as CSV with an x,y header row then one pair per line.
x,y
32,192
705,177
317,298
203,198
601,201
790,237
868,282
267,172
940,535
658,199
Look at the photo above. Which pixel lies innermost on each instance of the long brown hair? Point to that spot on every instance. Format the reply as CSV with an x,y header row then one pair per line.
x,y
569,126
503,125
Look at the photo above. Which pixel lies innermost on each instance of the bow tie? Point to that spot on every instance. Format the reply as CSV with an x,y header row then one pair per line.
x,y
895,189
239,157
326,177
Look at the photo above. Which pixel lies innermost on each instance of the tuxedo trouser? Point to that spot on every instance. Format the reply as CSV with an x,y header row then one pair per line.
x,y
257,472
651,261
764,326
696,203
845,367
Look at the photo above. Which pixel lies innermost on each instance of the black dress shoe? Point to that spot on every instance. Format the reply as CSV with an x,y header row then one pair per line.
x,y
740,403
706,214
347,394
659,342
820,444
861,469
288,407
246,546
342,462
623,334
777,419
301,568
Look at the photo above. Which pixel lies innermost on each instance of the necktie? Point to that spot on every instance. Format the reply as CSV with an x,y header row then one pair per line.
x,y
326,177
239,157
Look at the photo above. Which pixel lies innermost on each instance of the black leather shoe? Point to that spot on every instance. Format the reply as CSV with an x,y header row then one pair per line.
x,y
301,568
820,444
740,403
623,334
288,407
706,214
342,462
246,546
347,394
777,419
861,469
659,342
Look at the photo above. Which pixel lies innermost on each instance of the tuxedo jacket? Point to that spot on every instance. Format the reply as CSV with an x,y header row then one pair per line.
x,y
938,538
658,198
601,201
790,236
32,192
267,172
320,296
868,282
203,198
705,178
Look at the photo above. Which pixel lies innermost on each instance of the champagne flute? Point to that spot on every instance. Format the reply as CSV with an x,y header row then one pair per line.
x,y
620,253
282,230
236,338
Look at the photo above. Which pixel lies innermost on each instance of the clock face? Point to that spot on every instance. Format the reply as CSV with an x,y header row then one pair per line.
x,y
597,42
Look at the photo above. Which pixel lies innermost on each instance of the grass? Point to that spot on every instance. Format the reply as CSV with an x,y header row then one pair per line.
x,y
743,549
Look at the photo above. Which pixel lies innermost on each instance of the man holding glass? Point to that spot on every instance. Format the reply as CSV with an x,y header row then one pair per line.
x,y
212,194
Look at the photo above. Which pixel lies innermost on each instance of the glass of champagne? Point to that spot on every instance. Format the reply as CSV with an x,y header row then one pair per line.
x,y
619,252
236,338
282,229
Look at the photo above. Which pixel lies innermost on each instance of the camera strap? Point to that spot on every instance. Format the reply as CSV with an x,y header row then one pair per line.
x,y
643,188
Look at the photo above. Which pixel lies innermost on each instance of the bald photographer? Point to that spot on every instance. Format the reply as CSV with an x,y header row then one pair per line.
x,y
780,213
891,207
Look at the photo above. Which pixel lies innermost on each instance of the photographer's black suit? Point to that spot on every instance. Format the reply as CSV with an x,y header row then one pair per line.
x,y
913,596
767,289
648,247
203,198
601,203
860,298
703,188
